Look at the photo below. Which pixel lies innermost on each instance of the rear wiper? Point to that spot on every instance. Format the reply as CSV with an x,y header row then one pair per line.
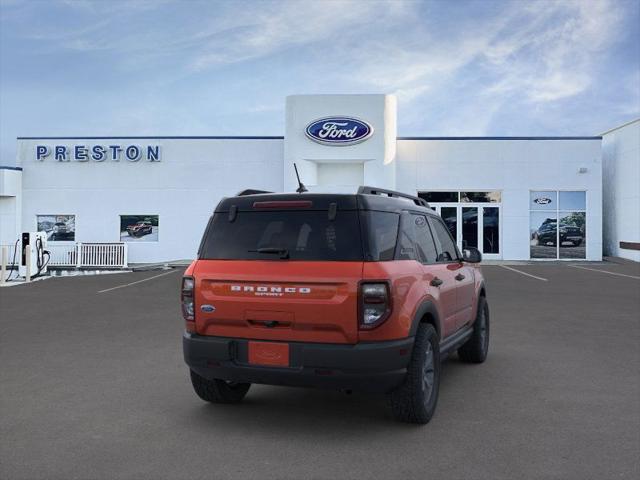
x,y
283,252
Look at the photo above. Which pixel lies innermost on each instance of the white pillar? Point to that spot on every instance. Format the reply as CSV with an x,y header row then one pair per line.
x,y
3,264
27,277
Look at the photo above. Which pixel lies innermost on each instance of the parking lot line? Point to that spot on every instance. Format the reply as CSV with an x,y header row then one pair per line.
x,y
524,273
134,283
606,271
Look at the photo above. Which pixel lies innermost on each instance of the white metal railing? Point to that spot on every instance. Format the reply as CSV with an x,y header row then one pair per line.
x,y
10,251
63,255
80,255
102,255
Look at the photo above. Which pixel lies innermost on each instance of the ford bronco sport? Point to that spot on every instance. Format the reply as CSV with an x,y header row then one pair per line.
x,y
363,292
139,229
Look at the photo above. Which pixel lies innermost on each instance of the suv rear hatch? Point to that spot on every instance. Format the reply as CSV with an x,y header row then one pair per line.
x,y
286,269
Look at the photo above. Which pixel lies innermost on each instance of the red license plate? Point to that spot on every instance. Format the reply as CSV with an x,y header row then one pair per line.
x,y
269,354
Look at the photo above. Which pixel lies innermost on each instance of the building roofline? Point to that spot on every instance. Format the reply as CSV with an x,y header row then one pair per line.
x,y
501,138
159,137
7,167
257,137
620,126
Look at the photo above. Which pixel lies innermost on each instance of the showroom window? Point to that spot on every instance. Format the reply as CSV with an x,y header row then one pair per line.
x,y
59,228
439,197
494,196
558,224
472,217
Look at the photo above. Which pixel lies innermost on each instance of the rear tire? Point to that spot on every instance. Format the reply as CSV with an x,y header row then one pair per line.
x,y
415,400
475,349
218,391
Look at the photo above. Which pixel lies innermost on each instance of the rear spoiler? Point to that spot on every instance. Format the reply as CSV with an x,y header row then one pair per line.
x,y
251,191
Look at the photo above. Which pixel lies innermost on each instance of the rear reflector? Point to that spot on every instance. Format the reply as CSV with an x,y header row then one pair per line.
x,y
284,204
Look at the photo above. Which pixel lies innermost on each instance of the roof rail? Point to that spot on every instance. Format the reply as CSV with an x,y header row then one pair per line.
x,y
392,193
250,191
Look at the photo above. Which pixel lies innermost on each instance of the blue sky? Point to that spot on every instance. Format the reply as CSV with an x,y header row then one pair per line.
x,y
80,68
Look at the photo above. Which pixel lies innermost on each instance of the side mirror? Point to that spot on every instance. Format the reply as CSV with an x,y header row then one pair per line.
x,y
471,255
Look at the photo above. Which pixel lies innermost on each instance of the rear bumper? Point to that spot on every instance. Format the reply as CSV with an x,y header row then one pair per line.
x,y
369,367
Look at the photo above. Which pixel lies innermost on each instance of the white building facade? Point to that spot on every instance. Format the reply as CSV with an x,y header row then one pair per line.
x,y
621,186
514,198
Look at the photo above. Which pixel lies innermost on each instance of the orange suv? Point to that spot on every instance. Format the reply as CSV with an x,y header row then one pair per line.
x,y
364,292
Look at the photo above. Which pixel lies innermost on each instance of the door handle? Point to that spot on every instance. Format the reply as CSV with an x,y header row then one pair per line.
x,y
436,282
459,277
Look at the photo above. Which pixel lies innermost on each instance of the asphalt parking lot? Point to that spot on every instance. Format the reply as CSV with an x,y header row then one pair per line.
x,y
93,385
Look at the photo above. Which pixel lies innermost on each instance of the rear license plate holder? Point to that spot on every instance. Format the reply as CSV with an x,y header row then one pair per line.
x,y
269,354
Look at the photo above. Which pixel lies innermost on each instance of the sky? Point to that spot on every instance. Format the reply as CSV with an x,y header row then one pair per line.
x,y
189,67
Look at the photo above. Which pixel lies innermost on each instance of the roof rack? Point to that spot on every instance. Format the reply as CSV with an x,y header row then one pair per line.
x,y
251,191
392,193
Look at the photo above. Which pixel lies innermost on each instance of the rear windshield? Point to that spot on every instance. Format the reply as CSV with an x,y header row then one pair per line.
x,y
303,235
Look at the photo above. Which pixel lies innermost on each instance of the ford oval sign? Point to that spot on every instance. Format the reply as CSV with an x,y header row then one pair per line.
x,y
339,131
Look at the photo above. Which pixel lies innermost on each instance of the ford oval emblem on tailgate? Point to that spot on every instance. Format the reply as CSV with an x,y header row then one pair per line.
x,y
208,308
338,130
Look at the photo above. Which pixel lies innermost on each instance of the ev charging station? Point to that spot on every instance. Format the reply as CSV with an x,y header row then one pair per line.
x,y
35,256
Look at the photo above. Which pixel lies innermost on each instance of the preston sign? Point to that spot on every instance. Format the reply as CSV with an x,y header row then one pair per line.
x,y
338,130
98,153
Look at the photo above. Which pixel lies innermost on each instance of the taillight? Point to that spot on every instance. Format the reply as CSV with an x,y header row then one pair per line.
x,y
375,304
186,298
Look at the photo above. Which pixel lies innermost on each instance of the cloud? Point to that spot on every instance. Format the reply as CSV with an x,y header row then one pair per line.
x,y
531,54
329,26
545,51
410,93
551,49
265,108
541,50
458,68
210,34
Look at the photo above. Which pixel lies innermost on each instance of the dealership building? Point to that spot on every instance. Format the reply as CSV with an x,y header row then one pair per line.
x,y
515,198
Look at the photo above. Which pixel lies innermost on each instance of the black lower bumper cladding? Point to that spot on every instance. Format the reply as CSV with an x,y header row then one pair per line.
x,y
367,367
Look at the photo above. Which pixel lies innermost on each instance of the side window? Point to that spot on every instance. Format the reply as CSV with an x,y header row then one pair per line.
x,y
406,241
424,240
447,251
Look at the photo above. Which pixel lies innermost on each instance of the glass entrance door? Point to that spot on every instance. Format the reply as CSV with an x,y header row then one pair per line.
x,y
450,217
490,227
473,218
470,227
473,226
